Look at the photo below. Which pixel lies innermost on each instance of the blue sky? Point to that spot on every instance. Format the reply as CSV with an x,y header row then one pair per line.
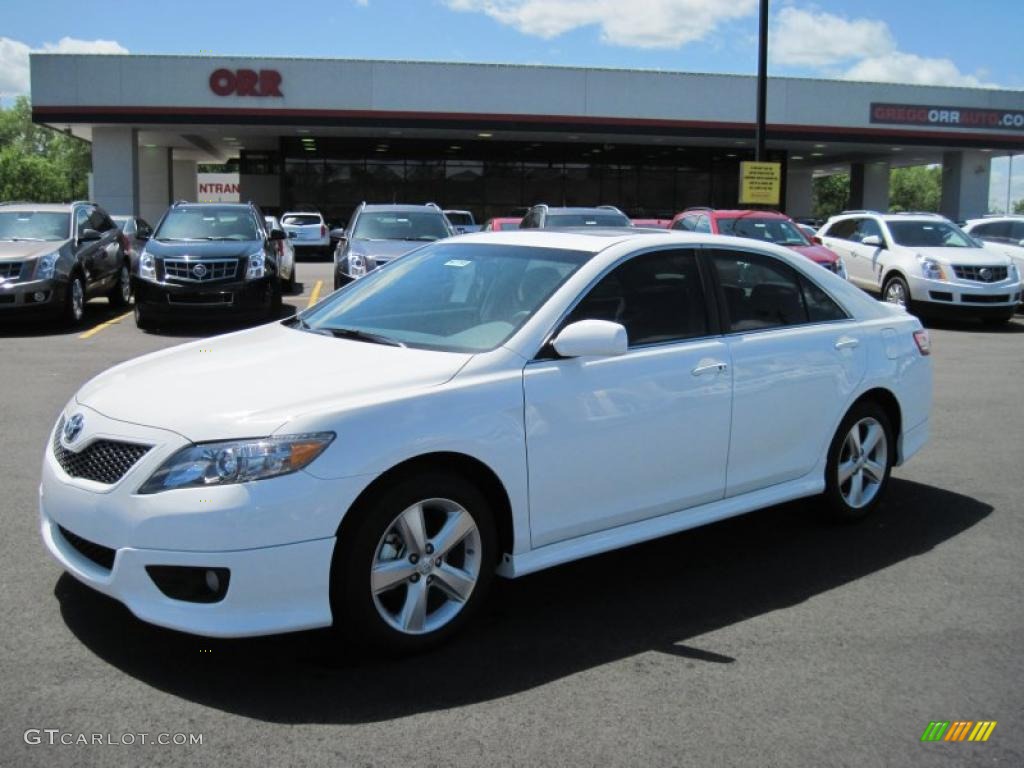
x,y
936,42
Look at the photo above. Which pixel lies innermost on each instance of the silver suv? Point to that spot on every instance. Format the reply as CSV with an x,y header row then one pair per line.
x,y
1002,234
924,262
54,257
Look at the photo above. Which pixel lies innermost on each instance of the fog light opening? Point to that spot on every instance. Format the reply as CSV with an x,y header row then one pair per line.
x,y
192,585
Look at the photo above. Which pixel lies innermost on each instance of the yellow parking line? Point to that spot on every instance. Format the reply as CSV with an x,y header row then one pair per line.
x,y
315,295
93,331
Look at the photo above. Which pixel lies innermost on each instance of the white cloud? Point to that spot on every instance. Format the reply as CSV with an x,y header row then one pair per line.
x,y
809,39
855,49
637,24
14,72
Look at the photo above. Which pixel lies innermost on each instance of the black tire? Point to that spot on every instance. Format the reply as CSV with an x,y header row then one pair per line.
x,y
274,300
292,283
356,615
73,310
896,282
835,500
997,321
143,318
121,294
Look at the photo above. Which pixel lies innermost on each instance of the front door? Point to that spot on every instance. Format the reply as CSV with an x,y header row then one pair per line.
x,y
614,440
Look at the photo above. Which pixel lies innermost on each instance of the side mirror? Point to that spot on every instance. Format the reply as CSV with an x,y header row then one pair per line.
x,y
89,235
816,240
144,234
338,233
277,234
874,241
1020,243
591,338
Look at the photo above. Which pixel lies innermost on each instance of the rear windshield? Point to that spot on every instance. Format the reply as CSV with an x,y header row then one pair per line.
x,y
929,234
778,231
208,224
414,225
459,219
301,219
505,225
587,220
34,225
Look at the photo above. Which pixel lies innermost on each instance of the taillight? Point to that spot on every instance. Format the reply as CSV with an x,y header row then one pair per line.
x,y
323,230
124,241
924,342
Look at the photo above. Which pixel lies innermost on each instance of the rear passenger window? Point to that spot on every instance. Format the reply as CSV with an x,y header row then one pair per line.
x,y
820,306
842,229
658,297
760,292
703,225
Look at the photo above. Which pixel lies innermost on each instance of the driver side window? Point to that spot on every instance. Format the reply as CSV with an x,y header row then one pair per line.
x,y
81,221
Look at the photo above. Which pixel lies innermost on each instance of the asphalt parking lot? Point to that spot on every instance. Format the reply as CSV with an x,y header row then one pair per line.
x,y
772,639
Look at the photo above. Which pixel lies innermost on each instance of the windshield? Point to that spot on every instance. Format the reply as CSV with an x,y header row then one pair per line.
x,y
208,224
412,225
929,234
587,220
301,219
459,297
459,219
34,225
778,231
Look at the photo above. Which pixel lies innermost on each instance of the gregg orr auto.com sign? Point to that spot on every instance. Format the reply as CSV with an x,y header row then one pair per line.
x,y
948,117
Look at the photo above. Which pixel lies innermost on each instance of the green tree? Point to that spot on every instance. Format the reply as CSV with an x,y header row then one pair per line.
x,y
917,188
831,194
1018,207
39,163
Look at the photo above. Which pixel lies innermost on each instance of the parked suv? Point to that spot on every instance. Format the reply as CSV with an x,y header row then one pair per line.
x,y
307,231
463,221
378,234
1002,234
766,226
924,262
544,216
214,258
54,257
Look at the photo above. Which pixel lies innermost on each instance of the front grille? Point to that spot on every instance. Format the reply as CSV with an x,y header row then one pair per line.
x,y
831,266
103,461
202,299
980,274
97,553
10,270
976,298
200,271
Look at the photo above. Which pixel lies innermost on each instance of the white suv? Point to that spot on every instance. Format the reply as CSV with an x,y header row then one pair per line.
x,y
307,231
924,262
1002,234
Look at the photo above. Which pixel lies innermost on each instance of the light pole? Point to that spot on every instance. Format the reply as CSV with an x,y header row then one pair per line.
x,y
762,82
1009,183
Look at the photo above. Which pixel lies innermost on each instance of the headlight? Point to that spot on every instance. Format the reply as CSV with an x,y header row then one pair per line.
x,y
147,266
257,266
221,463
931,269
1013,272
46,265
356,265
841,268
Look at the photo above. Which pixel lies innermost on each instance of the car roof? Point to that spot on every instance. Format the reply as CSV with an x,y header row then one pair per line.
x,y
41,207
583,209
240,206
746,213
400,208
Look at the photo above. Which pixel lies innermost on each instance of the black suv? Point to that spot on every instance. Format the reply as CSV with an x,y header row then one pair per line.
x,y
208,259
544,216
53,257
378,234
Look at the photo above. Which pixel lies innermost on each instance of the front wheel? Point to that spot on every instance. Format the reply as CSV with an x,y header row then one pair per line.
x,y
74,301
121,293
860,460
416,565
143,318
998,320
896,291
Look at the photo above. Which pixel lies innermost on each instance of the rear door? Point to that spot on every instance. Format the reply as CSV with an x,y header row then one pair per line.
x,y
797,357
615,440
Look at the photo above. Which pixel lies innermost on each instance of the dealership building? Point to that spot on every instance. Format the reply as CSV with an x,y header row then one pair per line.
x,y
494,139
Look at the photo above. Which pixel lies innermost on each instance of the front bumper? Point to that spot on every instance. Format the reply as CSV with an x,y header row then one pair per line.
x,y
22,295
275,537
235,296
966,296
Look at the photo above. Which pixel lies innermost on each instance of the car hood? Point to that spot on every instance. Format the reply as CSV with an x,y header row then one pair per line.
x,y
27,249
251,383
203,249
385,250
816,253
967,256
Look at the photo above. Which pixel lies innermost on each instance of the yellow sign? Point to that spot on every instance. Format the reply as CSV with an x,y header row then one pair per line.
x,y
760,183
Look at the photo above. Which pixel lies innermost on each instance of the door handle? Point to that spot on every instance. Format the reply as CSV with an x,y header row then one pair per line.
x,y
713,366
846,342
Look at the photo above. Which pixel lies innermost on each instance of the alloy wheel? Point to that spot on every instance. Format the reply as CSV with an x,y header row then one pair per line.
x,y
895,293
126,285
426,566
77,300
862,462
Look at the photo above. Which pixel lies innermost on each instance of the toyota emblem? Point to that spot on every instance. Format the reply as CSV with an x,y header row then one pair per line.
x,y
985,274
199,270
73,427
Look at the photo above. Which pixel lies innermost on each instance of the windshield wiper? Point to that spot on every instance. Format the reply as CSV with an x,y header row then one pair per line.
x,y
355,334
28,239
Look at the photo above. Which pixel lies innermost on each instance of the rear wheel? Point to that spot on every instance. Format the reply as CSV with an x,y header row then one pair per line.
x,y
416,565
860,460
121,293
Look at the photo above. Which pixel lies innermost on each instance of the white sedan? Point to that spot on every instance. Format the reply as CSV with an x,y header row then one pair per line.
x,y
494,404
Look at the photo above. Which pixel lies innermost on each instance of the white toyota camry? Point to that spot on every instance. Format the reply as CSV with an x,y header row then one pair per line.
x,y
496,403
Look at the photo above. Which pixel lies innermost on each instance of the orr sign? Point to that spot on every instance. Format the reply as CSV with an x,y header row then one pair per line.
x,y
948,117
246,82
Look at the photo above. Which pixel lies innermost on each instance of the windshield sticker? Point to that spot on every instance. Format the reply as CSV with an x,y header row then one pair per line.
x,y
458,263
